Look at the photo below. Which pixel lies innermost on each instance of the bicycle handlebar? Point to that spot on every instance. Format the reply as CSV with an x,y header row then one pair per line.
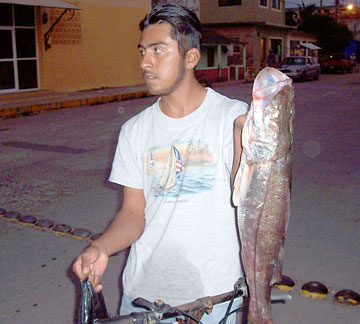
x,y
159,310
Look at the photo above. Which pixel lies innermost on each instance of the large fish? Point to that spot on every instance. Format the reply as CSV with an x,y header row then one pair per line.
x,y
262,187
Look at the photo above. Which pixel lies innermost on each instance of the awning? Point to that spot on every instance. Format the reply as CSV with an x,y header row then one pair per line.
x,y
310,46
42,3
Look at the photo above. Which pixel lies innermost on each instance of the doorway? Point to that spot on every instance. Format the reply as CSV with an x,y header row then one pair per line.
x,y
276,47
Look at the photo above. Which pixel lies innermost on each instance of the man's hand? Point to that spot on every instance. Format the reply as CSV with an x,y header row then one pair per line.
x,y
125,229
91,263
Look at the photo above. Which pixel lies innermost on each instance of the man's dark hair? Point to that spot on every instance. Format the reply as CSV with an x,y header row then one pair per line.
x,y
185,25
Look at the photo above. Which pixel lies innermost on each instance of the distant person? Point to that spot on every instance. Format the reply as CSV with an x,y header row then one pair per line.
x,y
353,58
175,161
271,59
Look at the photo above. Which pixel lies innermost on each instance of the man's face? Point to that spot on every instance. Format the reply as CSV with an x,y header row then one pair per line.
x,y
162,65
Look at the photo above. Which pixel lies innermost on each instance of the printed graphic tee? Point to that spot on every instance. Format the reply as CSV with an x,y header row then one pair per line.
x,y
189,248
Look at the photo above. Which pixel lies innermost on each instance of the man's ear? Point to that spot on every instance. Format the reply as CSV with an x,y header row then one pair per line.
x,y
192,57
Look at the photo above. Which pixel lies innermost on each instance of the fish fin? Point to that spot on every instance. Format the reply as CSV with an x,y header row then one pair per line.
x,y
242,187
277,275
241,184
245,181
236,192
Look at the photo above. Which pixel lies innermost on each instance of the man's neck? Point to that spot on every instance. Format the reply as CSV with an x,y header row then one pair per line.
x,y
183,101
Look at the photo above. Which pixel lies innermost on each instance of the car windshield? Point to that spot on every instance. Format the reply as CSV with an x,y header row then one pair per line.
x,y
294,61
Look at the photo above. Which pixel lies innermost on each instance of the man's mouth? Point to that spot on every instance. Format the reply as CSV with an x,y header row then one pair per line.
x,y
149,75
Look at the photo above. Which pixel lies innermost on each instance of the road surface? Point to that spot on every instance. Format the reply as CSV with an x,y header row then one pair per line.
x,y
55,165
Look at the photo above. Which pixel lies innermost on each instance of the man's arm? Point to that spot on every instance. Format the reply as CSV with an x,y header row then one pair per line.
x,y
128,224
238,126
125,229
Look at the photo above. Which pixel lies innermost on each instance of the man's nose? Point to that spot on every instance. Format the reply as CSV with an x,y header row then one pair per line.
x,y
146,61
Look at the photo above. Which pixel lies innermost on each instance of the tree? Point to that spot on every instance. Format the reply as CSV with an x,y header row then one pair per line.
x,y
331,36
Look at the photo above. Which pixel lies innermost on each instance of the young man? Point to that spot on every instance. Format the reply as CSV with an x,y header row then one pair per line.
x,y
175,162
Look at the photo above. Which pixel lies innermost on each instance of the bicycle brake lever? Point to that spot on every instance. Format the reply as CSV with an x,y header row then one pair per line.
x,y
142,302
241,286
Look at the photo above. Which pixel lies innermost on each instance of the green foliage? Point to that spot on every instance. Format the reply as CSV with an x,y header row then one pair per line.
x,y
331,36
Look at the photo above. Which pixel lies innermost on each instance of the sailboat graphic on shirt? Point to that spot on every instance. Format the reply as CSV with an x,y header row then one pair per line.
x,y
173,170
179,170
151,162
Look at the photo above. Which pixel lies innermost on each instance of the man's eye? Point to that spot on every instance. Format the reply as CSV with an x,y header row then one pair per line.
x,y
157,50
141,52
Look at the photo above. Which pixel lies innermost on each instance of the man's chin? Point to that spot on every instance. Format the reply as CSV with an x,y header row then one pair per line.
x,y
154,92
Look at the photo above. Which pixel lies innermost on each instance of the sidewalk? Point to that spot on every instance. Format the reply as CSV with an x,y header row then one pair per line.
x,y
25,103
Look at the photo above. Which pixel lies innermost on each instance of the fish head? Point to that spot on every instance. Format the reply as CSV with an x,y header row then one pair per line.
x,y
269,132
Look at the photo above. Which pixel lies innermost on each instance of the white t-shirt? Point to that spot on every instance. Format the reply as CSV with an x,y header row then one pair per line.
x,y
189,248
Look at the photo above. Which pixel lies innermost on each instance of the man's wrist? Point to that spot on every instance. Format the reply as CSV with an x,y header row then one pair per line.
x,y
100,247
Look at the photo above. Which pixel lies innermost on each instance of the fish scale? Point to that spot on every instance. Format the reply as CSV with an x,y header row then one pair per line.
x,y
262,187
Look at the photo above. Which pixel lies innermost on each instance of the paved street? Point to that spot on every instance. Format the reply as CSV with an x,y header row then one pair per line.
x,y
55,165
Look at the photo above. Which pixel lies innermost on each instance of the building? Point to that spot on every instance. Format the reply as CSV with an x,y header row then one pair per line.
x,y
63,45
258,23
254,27
69,45
222,58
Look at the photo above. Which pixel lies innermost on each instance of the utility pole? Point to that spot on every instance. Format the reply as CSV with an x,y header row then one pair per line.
x,y
337,10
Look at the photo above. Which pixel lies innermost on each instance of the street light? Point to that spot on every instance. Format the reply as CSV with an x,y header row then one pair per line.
x,y
349,7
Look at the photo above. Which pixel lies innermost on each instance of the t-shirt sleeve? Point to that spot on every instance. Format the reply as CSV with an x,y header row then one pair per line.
x,y
126,167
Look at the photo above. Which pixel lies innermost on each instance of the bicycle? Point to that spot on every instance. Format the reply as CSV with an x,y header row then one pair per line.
x,y
93,310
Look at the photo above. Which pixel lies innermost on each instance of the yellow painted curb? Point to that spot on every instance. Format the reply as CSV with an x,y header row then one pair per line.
x,y
89,101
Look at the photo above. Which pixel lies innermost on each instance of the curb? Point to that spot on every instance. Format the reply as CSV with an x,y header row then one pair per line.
x,y
312,289
69,103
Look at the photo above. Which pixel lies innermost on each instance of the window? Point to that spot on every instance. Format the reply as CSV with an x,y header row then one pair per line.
x,y
18,57
276,4
294,61
5,15
237,55
224,3
263,3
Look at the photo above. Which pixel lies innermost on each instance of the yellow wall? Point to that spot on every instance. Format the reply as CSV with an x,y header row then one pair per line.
x,y
106,55
249,11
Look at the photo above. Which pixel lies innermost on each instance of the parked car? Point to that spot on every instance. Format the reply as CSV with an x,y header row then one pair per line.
x,y
300,68
337,63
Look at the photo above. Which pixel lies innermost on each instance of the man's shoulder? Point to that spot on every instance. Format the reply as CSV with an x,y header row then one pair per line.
x,y
227,103
140,117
